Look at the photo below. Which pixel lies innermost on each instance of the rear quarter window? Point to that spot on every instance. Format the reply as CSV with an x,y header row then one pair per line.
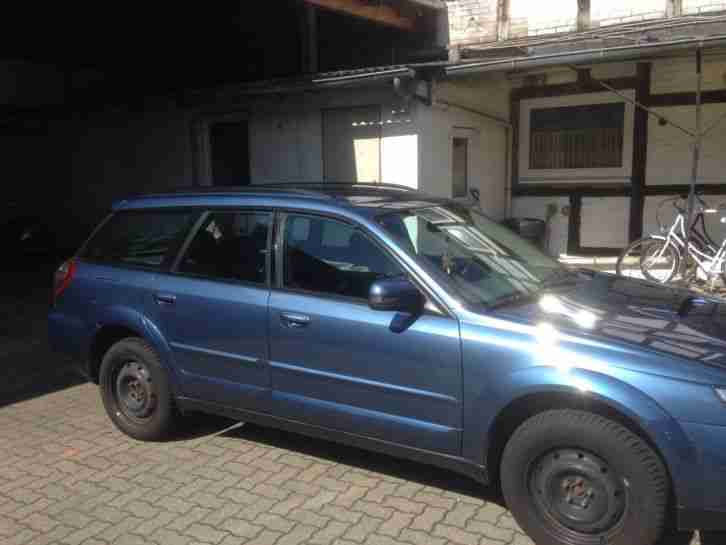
x,y
145,238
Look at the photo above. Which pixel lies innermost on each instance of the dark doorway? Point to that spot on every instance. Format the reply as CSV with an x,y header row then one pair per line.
x,y
230,145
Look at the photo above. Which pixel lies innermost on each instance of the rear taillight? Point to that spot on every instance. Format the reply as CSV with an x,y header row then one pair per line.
x,y
63,277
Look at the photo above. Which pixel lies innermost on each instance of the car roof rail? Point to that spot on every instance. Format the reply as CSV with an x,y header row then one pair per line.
x,y
327,184
256,189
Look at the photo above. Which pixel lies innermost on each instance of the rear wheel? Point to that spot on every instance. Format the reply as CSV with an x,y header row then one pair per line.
x,y
651,258
135,390
576,478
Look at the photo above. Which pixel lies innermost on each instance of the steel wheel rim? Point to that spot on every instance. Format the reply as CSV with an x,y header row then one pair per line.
x,y
134,391
578,492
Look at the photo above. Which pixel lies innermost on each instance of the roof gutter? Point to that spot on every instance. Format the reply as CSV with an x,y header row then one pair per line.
x,y
349,79
589,56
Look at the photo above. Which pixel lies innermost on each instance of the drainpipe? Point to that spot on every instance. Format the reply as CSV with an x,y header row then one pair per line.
x,y
694,161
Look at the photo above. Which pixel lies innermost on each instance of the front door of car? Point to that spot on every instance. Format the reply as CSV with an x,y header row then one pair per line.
x,y
335,362
213,310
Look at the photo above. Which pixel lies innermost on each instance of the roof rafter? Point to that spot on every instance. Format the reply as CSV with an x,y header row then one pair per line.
x,y
377,12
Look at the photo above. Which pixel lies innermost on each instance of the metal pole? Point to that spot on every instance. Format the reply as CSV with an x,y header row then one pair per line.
x,y
696,157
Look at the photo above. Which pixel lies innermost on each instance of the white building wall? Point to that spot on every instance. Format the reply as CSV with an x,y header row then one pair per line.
x,y
670,151
678,74
286,147
286,140
537,207
488,142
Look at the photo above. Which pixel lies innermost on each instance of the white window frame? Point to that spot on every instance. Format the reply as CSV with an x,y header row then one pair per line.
x,y
471,134
620,174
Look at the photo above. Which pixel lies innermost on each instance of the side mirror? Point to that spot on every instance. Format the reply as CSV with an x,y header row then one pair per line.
x,y
396,294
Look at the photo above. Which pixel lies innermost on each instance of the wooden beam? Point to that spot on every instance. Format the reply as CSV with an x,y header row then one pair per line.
x,y
375,12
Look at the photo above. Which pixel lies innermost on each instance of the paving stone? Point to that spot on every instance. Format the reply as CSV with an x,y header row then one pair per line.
x,y
490,531
308,517
426,520
491,512
362,530
393,526
418,537
350,496
405,505
81,535
70,478
126,526
163,536
319,500
460,514
275,522
328,534
457,535
20,538
204,533
297,535
434,500
341,514
266,537
241,528
380,492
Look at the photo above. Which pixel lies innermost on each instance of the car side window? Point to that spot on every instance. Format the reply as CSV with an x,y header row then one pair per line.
x,y
331,257
231,246
140,238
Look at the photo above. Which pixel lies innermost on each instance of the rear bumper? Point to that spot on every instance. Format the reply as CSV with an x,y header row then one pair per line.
x,y
66,338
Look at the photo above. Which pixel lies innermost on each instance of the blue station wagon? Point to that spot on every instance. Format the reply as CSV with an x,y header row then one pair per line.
x,y
388,319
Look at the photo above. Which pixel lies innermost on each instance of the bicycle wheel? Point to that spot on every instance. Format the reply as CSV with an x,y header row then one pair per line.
x,y
651,258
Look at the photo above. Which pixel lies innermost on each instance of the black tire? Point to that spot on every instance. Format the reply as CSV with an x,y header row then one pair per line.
x,y
575,478
634,258
135,390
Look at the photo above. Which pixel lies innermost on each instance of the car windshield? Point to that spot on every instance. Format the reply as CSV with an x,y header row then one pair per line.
x,y
486,262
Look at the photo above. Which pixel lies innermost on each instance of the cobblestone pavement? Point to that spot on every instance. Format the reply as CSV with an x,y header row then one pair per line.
x,y
68,476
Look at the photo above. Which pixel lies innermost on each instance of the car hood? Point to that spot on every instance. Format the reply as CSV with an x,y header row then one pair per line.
x,y
675,322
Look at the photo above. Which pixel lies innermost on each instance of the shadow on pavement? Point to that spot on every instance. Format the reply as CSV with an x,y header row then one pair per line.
x,y
28,367
407,470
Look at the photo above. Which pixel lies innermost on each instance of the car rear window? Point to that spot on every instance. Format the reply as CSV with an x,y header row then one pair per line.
x,y
147,238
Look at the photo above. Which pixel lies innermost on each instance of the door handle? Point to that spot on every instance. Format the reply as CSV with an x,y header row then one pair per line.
x,y
165,298
294,320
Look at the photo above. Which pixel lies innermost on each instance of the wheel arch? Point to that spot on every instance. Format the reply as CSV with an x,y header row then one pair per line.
x,y
530,404
118,323
663,435
104,338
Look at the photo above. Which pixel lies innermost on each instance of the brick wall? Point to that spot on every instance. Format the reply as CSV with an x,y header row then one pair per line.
x,y
472,21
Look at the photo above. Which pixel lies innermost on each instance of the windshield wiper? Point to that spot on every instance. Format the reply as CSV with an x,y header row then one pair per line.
x,y
512,298
560,277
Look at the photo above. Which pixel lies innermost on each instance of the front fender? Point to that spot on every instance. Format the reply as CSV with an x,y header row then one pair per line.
x,y
590,387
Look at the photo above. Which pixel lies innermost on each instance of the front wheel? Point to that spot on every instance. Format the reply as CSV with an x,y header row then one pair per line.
x,y
651,258
576,478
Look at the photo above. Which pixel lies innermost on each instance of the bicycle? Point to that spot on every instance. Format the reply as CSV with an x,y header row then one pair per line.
x,y
658,257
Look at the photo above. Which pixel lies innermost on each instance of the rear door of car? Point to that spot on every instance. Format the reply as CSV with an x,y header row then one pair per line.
x,y
116,270
337,363
212,308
